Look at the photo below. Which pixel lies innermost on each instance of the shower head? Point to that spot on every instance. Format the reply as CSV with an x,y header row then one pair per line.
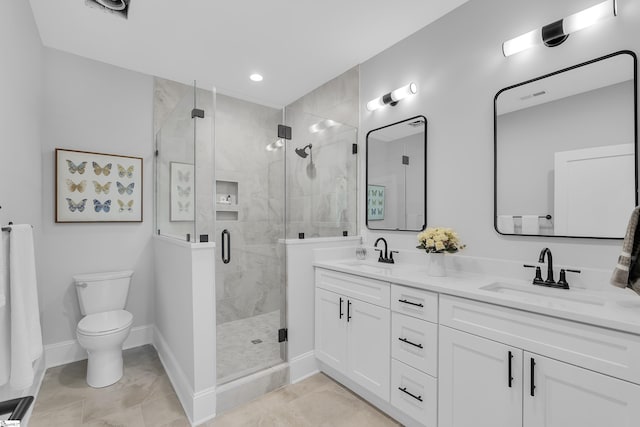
x,y
302,152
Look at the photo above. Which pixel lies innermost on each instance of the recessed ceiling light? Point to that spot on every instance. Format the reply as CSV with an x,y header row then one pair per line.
x,y
256,77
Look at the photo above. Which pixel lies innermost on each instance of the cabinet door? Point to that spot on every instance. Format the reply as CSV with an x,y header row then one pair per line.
x,y
565,395
331,329
473,382
368,349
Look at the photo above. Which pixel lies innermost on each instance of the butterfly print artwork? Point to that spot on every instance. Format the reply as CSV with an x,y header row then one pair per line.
x,y
79,187
105,170
102,188
73,168
122,172
97,206
128,189
184,192
184,176
73,206
183,207
125,206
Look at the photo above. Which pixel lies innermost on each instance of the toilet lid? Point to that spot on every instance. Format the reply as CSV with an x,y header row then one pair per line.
x,y
109,321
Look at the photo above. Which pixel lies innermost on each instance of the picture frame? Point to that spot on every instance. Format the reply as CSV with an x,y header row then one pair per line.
x,y
97,187
181,191
375,202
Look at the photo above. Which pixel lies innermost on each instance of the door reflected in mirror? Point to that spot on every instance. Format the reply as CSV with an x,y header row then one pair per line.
x,y
565,151
396,176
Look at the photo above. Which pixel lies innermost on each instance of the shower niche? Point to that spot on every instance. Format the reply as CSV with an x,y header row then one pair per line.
x,y
226,200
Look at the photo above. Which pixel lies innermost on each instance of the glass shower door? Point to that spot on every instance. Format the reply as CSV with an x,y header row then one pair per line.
x,y
250,260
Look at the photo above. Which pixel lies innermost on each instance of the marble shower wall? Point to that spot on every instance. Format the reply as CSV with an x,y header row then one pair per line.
x,y
322,197
253,282
174,133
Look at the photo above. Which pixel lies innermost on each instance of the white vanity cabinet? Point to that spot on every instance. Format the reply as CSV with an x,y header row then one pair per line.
x,y
414,352
507,377
352,328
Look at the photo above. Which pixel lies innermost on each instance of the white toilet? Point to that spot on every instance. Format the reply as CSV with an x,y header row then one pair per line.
x,y
105,324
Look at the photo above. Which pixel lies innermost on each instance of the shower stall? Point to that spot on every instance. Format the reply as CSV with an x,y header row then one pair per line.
x,y
224,176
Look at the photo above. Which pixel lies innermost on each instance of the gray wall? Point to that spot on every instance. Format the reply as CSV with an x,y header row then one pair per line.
x,y
20,119
458,65
91,106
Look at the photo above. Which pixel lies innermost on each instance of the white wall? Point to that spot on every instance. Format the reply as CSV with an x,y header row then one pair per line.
x,y
20,117
458,65
92,106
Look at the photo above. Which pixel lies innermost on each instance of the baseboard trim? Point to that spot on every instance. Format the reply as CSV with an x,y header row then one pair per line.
x,y
70,351
199,407
302,367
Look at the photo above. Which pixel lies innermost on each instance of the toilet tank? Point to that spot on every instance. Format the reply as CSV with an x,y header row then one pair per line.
x,y
99,292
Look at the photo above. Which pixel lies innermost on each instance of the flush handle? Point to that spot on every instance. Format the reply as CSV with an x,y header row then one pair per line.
x,y
82,285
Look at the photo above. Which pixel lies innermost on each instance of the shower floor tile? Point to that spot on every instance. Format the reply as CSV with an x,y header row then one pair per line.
x,y
237,353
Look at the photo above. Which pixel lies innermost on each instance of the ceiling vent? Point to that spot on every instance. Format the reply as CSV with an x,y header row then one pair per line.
x,y
116,7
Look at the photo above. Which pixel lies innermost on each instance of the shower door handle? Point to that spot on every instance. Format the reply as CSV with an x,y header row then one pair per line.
x,y
226,246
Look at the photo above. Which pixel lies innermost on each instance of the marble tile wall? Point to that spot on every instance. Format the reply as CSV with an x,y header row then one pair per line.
x,y
253,282
322,198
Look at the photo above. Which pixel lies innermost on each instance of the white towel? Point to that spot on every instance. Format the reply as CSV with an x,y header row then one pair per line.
x,y
530,224
506,224
5,323
26,335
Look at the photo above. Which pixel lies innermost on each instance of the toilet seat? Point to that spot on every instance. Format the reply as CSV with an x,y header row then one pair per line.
x,y
105,323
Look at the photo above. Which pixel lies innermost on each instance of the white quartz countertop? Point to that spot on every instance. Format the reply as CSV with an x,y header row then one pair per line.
x,y
617,309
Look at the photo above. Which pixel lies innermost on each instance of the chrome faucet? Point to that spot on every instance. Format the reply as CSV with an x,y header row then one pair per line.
x,y
384,256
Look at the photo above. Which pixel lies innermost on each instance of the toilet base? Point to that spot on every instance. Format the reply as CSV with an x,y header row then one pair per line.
x,y
104,367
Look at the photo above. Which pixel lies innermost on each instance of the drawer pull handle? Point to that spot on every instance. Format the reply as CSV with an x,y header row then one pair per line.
x,y
532,391
404,390
411,343
510,373
404,301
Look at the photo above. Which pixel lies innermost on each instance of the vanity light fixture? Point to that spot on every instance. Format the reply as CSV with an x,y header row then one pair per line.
x,y
557,32
393,97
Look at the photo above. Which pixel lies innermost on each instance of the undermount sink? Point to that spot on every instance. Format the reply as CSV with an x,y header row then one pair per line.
x,y
557,298
375,268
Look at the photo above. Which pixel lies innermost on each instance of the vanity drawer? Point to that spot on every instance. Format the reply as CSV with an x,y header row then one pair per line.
x,y
415,342
415,302
368,290
419,400
599,349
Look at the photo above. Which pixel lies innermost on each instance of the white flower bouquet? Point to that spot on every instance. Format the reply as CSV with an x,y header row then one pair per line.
x,y
439,240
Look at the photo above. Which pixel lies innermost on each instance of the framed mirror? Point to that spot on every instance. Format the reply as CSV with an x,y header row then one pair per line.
x,y
565,151
396,176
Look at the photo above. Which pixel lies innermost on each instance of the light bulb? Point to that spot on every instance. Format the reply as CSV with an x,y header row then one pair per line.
x,y
404,91
588,17
521,43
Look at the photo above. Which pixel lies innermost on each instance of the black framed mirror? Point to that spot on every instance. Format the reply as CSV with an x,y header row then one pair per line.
x,y
396,178
565,151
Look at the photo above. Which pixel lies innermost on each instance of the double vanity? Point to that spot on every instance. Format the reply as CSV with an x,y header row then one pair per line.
x,y
473,350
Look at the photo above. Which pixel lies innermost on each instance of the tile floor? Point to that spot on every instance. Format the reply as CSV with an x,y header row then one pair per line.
x,y
144,398
237,355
